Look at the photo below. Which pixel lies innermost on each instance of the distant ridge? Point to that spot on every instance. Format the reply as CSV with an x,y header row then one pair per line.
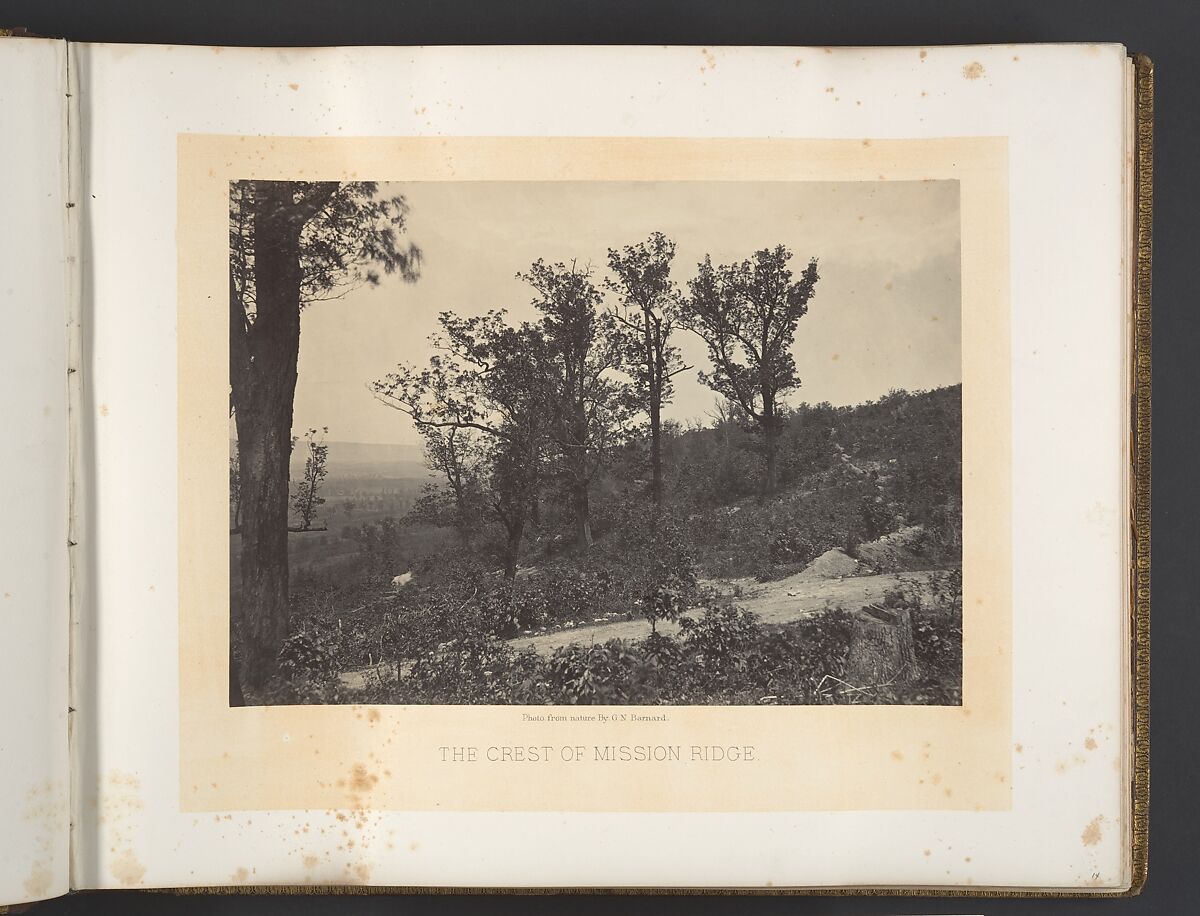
x,y
366,459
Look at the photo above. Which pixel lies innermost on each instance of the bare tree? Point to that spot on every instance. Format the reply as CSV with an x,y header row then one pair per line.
x,y
727,417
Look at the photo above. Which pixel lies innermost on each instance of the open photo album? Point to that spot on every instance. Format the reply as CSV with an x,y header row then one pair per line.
x,y
575,467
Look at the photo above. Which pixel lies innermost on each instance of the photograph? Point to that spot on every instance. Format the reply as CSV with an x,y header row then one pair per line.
x,y
625,443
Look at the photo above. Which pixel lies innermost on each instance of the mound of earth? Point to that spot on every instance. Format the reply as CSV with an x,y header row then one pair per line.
x,y
895,552
832,564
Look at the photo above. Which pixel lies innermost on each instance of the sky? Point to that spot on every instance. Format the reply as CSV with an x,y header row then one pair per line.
x,y
885,314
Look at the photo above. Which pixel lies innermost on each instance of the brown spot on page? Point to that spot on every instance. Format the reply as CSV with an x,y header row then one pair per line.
x,y
973,70
37,885
127,869
1091,833
361,780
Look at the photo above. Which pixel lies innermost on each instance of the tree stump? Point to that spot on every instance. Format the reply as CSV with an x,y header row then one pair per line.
x,y
881,648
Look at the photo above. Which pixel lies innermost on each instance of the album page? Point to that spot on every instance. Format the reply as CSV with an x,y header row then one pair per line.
x,y
686,467
35,302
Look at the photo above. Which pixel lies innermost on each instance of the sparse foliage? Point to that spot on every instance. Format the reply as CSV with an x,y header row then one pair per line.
x,y
306,494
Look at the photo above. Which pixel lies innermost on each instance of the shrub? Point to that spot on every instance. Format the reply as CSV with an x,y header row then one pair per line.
x,y
791,547
720,636
663,603
567,593
301,690
724,656
476,671
306,653
590,674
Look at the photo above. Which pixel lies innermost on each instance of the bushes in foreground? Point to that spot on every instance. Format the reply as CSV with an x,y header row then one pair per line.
x,y
722,656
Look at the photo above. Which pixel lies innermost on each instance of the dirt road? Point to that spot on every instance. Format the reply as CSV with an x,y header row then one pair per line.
x,y
774,602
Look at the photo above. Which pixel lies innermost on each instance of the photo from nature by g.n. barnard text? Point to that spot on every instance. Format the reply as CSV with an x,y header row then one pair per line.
x,y
593,442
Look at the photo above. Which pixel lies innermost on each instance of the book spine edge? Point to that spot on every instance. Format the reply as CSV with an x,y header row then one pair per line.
x,y
1140,463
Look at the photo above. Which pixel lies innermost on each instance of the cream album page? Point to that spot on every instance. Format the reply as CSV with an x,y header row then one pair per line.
x,y
636,467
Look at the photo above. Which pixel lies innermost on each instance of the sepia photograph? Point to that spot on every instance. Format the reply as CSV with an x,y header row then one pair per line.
x,y
641,443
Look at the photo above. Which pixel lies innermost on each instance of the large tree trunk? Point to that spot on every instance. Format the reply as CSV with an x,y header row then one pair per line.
x,y
881,648
263,393
583,518
512,548
656,482
462,525
264,624
771,442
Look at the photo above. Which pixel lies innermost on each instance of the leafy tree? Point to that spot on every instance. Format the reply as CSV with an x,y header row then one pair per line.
x,y
746,313
644,319
306,496
588,407
486,377
457,455
292,244
513,489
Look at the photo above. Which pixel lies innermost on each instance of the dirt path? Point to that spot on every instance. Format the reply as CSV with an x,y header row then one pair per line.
x,y
774,602
782,601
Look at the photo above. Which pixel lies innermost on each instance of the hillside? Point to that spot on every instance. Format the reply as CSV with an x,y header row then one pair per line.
x,y
751,593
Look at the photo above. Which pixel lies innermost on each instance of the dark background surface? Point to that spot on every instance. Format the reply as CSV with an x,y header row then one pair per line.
x,y
1168,31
